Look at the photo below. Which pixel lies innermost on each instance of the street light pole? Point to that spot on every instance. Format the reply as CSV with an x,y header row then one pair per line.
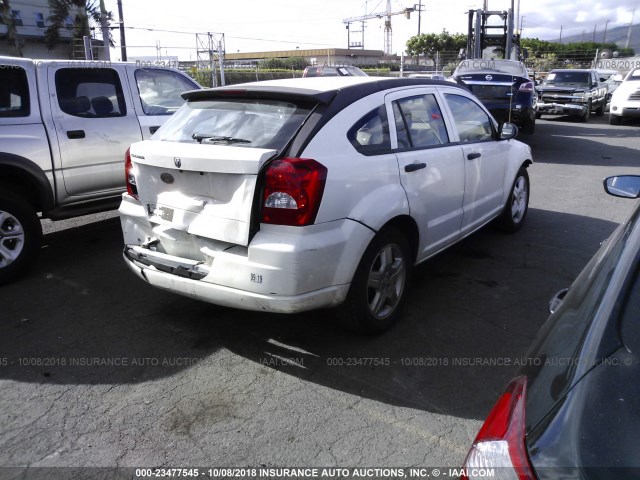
x,y
419,15
123,42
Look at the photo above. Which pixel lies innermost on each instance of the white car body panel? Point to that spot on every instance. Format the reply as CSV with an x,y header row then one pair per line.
x,y
625,101
290,269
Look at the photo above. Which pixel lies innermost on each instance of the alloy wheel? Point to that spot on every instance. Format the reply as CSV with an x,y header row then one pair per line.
x,y
386,281
11,239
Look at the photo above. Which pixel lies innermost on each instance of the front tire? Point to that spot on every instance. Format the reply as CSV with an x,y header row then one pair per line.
x,y
600,110
20,236
517,206
379,288
585,117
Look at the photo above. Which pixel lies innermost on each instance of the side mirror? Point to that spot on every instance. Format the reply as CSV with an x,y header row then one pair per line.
x,y
557,300
625,186
507,131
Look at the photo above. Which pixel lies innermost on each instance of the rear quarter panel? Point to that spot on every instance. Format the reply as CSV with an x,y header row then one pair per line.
x,y
364,188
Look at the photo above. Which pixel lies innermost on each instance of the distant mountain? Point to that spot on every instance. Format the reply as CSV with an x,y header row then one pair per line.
x,y
616,35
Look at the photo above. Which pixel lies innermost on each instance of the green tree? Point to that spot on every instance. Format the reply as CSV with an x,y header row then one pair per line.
x,y
83,14
12,33
430,43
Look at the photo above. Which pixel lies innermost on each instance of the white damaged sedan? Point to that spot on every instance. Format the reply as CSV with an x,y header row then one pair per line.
x,y
291,195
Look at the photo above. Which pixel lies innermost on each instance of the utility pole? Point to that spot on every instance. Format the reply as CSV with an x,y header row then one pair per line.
x,y
419,15
594,33
123,43
560,34
604,37
633,14
104,25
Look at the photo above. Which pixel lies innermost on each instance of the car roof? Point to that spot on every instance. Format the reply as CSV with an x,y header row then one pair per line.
x,y
321,89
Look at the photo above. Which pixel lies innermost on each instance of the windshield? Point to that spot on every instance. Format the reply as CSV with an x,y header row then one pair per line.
x,y
509,67
567,78
243,122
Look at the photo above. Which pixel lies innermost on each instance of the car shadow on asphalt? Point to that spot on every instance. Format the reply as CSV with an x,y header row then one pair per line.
x,y
552,135
83,318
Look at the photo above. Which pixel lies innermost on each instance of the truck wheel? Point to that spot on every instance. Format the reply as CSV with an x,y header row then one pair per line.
x,y
379,287
20,236
585,117
600,110
529,127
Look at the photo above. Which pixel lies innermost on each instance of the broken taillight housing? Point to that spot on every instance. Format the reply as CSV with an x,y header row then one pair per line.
x,y
293,191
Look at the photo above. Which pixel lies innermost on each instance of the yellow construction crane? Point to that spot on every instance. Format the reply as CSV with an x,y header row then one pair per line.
x,y
387,26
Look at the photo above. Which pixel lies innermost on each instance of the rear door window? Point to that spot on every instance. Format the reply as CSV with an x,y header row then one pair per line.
x,y
14,92
90,92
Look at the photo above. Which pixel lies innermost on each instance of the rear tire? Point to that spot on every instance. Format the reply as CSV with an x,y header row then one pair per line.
x,y
20,236
517,206
379,288
529,127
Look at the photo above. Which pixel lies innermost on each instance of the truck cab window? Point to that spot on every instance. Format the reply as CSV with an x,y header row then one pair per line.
x,y
90,93
14,92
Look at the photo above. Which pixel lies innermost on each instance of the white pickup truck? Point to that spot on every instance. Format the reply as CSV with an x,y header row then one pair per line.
x,y
65,126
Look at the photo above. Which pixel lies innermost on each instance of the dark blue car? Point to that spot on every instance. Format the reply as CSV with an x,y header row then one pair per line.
x,y
504,87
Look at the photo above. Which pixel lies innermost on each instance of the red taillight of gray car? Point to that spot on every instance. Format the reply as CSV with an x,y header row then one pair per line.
x,y
293,191
500,444
132,188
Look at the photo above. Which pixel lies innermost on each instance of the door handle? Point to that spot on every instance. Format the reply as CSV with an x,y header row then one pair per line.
x,y
412,167
473,156
153,130
75,134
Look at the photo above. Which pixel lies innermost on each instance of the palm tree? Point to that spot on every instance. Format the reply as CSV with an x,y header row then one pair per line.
x,y
83,14
12,33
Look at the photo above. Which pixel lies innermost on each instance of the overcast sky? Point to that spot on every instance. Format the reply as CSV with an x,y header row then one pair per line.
x,y
264,25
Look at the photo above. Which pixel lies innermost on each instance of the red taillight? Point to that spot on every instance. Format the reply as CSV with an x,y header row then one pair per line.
x,y
293,191
526,87
500,444
129,173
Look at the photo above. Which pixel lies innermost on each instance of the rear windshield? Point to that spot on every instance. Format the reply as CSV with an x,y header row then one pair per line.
x,y
245,122
509,67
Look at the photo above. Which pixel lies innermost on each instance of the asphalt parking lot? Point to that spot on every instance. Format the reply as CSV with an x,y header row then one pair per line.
x,y
99,369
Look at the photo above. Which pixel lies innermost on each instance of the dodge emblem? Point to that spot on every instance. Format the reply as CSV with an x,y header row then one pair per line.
x,y
177,162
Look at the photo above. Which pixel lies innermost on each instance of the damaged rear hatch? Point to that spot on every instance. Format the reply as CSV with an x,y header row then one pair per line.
x,y
199,174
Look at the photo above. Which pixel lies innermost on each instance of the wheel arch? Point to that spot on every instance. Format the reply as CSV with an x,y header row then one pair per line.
x,y
408,226
26,179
